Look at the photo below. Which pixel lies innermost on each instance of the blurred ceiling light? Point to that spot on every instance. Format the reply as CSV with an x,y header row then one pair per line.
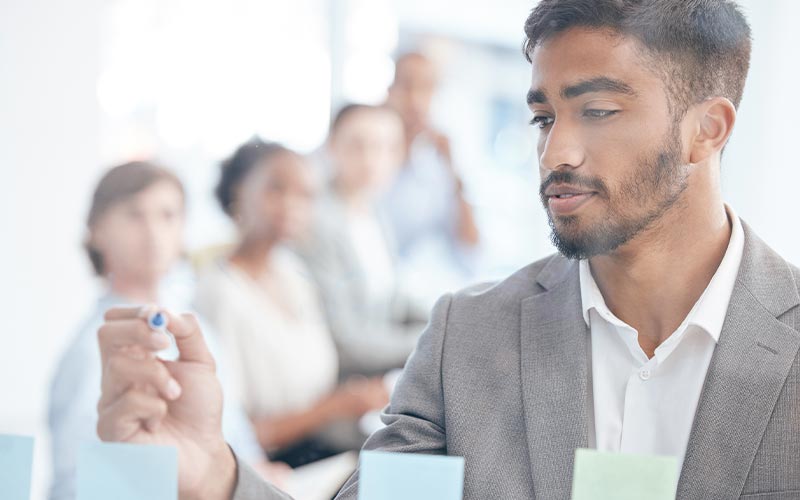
x,y
371,36
371,24
211,73
366,77
301,122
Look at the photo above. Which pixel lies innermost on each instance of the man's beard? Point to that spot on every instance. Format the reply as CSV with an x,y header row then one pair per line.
x,y
659,181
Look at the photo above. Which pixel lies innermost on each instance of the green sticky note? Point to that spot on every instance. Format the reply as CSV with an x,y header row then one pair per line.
x,y
621,476
404,476
16,459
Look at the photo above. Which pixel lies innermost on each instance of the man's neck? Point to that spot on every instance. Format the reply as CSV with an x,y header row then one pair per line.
x,y
653,282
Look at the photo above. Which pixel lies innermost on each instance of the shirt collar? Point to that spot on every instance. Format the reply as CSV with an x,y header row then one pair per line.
x,y
710,309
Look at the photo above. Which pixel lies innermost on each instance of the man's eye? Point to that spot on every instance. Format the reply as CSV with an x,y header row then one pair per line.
x,y
599,113
542,121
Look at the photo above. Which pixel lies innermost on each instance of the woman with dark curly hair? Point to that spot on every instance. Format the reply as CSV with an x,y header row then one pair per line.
x,y
264,306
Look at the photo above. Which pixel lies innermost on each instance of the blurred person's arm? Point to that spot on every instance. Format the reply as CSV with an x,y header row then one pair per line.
x,y
375,350
348,402
466,229
72,412
414,419
280,429
365,346
239,432
241,435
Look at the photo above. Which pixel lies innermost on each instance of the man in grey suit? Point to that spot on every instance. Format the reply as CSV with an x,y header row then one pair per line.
x,y
664,326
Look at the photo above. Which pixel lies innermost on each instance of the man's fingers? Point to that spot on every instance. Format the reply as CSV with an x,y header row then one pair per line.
x,y
124,333
116,313
122,373
131,413
127,326
189,339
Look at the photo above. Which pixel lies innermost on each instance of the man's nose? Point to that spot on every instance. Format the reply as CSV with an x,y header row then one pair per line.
x,y
561,149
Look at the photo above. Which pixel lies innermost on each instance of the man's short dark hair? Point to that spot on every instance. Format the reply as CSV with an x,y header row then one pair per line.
x,y
700,47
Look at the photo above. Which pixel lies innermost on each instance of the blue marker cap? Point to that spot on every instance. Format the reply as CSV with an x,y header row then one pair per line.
x,y
157,321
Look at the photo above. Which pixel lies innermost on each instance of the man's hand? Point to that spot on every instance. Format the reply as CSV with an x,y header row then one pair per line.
x,y
146,400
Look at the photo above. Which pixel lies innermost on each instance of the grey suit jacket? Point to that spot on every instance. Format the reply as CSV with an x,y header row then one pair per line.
x,y
502,377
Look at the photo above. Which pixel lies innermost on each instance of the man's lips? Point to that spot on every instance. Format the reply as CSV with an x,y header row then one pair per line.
x,y
565,191
563,200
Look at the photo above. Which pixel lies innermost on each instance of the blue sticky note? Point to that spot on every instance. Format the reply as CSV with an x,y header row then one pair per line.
x,y
400,476
16,460
127,472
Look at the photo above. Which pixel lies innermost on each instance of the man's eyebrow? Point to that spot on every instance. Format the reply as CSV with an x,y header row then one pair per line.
x,y
599,84
536,97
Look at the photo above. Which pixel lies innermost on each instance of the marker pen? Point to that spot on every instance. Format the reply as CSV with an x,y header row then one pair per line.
x,y
157,320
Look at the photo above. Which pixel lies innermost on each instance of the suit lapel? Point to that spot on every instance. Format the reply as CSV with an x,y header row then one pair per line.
x,y
747,372
556,378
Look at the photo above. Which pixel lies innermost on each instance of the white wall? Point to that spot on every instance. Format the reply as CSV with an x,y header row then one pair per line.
x,y
48,161
761,170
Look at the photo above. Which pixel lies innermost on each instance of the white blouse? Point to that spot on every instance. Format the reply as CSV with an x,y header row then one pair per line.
x,y
281,354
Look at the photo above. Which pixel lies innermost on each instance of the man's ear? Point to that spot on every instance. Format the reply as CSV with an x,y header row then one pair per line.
x,y
715,119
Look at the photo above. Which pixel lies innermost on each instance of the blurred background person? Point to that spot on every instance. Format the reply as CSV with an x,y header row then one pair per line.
x,y
426,204
350,251
113,91
135,243
265,307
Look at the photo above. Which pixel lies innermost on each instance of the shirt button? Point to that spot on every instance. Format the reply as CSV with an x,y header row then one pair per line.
x,y
644,374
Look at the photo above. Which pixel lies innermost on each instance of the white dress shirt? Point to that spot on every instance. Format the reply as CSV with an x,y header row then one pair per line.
x,y
647,406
